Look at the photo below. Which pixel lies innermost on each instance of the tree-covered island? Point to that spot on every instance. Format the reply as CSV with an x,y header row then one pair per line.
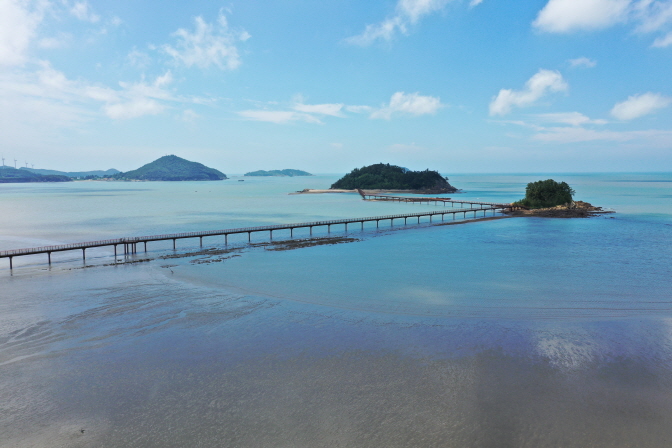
x,y
551,199
172,168
383,176
12,175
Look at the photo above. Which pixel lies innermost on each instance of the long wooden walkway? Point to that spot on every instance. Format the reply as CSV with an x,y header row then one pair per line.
x,y
129,244
429,200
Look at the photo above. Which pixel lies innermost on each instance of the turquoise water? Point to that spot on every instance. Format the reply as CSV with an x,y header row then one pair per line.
x,y
510,332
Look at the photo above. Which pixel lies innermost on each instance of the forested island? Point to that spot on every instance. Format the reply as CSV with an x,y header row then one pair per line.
x,y
12,175
551,199
278,173
74,174
172,168
383,176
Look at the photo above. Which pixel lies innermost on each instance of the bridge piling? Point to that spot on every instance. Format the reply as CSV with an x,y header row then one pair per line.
x,y
84,254
49,257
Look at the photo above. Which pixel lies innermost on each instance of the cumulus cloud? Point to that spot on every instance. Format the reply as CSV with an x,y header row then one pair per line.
x,y
561,16
539,85
408,103
570,118
208,45
18,24
473,3
82,11
639,105
566,16
582,62
407,12
651,137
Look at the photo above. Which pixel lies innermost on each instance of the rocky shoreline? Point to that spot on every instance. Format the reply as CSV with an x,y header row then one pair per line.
x,y
577,209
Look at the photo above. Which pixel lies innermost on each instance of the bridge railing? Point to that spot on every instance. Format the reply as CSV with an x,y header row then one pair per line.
x,y
170,236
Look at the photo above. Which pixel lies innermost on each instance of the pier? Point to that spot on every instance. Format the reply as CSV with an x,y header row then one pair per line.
x,y
129,245
431,200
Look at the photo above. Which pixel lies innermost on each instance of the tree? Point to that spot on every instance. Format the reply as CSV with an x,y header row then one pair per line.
x,y
546,193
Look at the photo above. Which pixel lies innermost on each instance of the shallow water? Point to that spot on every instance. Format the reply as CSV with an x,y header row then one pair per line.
x,y
513,332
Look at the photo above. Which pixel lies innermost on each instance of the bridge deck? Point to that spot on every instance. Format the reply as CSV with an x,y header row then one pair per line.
x,y
421,199
129,242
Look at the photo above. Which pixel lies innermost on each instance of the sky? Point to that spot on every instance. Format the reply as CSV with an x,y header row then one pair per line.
x,y
325,86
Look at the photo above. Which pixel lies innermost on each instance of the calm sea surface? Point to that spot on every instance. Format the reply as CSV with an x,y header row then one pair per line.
x,y
517,332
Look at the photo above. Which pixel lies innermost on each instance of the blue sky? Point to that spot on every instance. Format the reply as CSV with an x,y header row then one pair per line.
x,y
326,86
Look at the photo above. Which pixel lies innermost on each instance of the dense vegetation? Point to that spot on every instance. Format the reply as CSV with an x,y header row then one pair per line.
x,y
172,168
383,176
12,175
546,193
279,173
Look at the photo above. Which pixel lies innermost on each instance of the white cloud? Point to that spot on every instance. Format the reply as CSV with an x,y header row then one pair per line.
x,y
562,16
542,83
639,105
209,44
359,109
411,103
82,12
580,135
566,16
663,41
278,116
570,118
134,108
473,3
582,62
321,109
18,24
408,12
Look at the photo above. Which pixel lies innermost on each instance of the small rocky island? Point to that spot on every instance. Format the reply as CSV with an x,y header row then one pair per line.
x,y
551,199
278,173
392,178
12,175
172,168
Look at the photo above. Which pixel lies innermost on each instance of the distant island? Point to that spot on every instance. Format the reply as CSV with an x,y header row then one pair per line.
x,y
73,174
383,176
278,173
172,168
12,175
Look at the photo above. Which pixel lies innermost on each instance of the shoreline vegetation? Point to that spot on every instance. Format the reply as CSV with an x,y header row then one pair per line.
x,y
575,209
393,178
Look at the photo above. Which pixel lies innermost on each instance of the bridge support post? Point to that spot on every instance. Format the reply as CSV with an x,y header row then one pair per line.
x,y
377,222
145,246
271,233
226,239
49,257
10,264
249,236
418,220
115,253
405,220
362,225
346,227
201,241
430,218
83,254
311,230
328,228
173,243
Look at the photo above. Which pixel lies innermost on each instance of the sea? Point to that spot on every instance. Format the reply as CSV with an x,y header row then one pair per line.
x,y
509,332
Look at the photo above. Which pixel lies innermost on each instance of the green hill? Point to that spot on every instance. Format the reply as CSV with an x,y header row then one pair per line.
x,y
172,168
279,173
12,175
383,176
81,174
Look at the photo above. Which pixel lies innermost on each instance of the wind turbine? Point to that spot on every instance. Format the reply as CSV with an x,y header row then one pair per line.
x,y
14,163
26,164
3,161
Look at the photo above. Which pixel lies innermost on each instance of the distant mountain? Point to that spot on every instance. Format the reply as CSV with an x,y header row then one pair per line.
x,y
99,173
279,173
382,176
172,168
12,175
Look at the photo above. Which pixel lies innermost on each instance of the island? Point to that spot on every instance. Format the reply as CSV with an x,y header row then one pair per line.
x,y
278,173
12,175
392,178
551,199
74,174
171,168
